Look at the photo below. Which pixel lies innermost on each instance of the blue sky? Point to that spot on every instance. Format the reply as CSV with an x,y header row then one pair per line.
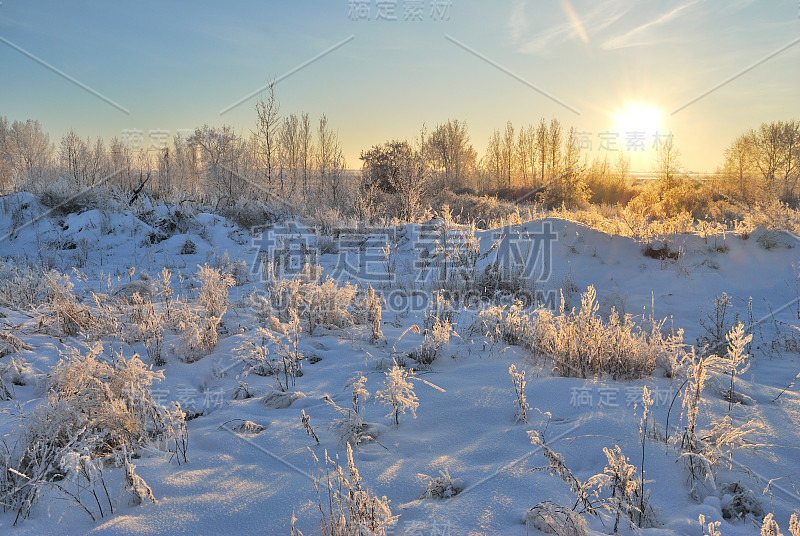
x,y
176,65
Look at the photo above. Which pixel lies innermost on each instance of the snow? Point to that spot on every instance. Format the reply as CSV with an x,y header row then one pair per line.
x,y
250,483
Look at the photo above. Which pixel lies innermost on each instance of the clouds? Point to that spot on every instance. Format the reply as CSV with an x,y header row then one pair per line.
x,y
518,22
614,24
644,34
572,22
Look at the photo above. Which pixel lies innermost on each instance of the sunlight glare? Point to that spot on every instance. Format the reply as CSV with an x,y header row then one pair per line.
x,y
638,117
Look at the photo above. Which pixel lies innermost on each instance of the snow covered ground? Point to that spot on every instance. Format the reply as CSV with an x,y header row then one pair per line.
x,y
253,483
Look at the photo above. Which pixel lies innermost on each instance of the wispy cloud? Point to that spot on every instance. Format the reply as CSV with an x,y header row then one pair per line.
x,y
593,22
518,21
642,35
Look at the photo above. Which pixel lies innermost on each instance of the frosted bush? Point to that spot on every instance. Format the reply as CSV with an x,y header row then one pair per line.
x,y
703,449
433,342
372,304
139,490
96,410
237,269
769,527
518,379
63,313
261,307
284,367
398,393
582,344
585,497
289,365
794,525
440,309
10,343
710,529
440,487
198,333
347,508
142,323
213,294
551,518
319,303
625,498
508,324
350,427
21,287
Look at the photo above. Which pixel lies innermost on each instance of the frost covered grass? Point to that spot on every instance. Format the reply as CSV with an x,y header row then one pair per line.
x,y
99,410
345,505
303,360
579,342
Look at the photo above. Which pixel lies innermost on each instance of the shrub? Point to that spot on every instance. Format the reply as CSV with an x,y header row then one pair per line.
x,y
346,507
286,367
63,313
585,498
21,287
625,493
350,427
236,269
551,518
96,411
518,379
440,487
318,302
508,324
198,333
372,304
214,285
702,450
581,344
434,340
398,392
188,247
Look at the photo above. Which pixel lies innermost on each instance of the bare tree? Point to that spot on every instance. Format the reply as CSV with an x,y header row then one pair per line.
x,y
223,156
623,167
185,165
767,143
289,138
737,168
306,150
493,160
396,168
526,155
542,148
451,155
6,179
554,135
29,148
667,164
330,161
791,158
266,126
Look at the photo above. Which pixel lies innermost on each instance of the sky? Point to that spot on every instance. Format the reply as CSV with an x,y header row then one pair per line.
x,y
381,69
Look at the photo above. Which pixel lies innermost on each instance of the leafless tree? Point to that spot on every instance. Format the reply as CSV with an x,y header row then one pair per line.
x,y
450,153
266,127
306,150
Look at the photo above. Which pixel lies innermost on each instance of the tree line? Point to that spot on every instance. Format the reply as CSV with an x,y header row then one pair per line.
x,y
296,162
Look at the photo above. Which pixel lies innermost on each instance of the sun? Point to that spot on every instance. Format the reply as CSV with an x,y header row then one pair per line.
x,y
638,117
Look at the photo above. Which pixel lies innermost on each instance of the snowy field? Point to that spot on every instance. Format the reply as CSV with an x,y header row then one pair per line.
x,y
270,362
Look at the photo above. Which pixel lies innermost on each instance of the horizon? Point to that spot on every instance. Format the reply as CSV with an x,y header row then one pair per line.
x,y
684,66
